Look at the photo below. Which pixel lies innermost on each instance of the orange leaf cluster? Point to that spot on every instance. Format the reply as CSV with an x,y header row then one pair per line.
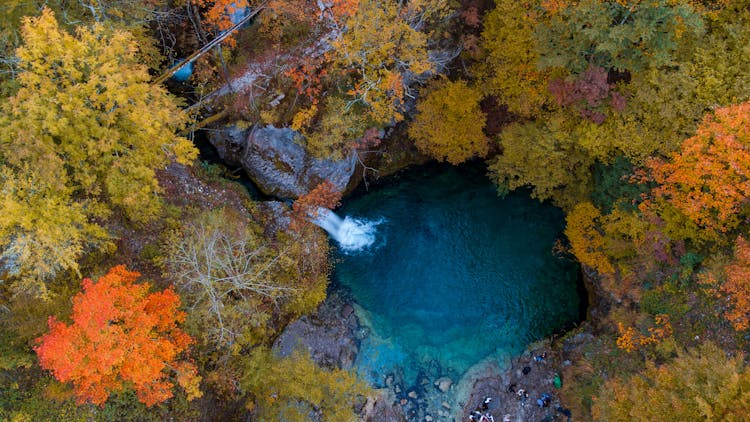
x,y
217,15
307,206
218,12
342,9
306,78
630,339
736,286
121,336
709,179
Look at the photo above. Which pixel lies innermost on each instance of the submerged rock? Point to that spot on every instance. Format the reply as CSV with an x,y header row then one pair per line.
x,y
443,384
277,164
382,408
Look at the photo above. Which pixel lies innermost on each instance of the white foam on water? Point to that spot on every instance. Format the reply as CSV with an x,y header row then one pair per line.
x,y
352,234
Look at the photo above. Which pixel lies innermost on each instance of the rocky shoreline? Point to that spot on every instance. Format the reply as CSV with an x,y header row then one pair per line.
x,y
333,334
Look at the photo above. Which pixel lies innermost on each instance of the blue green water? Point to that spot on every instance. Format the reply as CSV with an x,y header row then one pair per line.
x,y
456,274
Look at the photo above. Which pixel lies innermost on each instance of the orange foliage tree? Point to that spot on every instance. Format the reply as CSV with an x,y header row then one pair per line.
x,y
121,337
218,13
709,179
307,206
736,286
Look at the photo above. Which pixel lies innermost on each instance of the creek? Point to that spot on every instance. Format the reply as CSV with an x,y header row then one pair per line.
x,y
445,273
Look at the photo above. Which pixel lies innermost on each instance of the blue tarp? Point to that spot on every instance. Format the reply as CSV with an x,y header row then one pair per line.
x,y
183,73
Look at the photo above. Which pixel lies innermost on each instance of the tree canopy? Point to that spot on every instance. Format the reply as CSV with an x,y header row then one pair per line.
x,y
449,124
121,337
700,384
90,130
709,178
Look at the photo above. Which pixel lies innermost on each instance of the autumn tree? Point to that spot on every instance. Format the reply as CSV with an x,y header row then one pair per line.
x,y
546,156
509,63
235,279
88,127
587,242
588,93
121,337
86,112
43,231
449,124
627,35
293,388
700,384
708,180
379,46
734,285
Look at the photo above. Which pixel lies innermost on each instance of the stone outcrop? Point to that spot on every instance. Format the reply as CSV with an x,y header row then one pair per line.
x,y
229,142
533,373
382,407
329,335
277,164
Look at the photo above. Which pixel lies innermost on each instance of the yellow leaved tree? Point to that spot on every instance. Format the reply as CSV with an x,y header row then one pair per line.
x,y
700,384
450,123
379,46
90,129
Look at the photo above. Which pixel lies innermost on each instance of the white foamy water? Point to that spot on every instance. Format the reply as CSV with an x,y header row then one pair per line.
x,y
352,234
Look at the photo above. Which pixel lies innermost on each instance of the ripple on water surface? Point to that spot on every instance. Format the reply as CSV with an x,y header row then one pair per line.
x,y
456,274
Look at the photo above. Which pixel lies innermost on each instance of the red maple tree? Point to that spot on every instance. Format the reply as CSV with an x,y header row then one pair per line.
x,y
308,206
121,337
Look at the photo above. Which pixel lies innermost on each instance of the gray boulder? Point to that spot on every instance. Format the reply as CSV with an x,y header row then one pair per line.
x,y
327,335
229,142
278,165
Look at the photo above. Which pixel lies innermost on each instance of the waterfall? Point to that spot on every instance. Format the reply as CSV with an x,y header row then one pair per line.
x,y
352,234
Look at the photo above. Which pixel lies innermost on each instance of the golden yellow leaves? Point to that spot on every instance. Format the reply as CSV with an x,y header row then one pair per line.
x,y
450,123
